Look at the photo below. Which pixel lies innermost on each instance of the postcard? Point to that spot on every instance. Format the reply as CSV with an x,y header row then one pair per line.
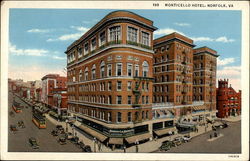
x,y
124,80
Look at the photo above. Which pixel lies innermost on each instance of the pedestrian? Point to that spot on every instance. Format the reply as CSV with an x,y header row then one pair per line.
x,y
99,146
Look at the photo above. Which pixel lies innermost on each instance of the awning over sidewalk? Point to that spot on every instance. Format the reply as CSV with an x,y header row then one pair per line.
x,y
93,133
164,131
197,108
135,138
118,141
186,125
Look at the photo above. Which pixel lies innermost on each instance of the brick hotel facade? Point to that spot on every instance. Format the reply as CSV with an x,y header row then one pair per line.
x,y
123,91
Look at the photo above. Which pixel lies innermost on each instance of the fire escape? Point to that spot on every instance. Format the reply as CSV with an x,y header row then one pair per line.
x,y
184,80
211,85
137,93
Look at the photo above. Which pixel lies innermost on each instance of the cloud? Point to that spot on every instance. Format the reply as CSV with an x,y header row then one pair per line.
x,y
221,62
30,52
58,57
166,31
74,36
182,24
224,39
38,30
233,73
89,22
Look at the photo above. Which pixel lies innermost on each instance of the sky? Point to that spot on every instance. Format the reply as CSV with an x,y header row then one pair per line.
x,y
38,38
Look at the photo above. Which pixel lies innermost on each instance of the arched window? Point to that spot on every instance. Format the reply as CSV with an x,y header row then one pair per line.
x,y
93,72
145,68
80,75
86,73
102,69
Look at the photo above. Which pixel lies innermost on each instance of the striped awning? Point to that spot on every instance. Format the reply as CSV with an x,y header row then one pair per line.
x,y
135,138
93,133
197,108
118,141
165,131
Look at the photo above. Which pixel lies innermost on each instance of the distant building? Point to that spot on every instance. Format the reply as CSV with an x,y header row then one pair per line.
x,y
228,100
54,85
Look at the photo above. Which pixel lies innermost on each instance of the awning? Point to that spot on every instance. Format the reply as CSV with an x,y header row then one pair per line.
x,y
93,133
135,138
186,125
164,131
118,141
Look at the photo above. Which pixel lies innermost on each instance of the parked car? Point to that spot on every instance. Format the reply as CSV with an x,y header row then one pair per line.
x,y
81,145
21,124
62,140
13,128
166,145
177,141
33,143
59,127
74,140
87,148
225,125
54,133
69,135
186,138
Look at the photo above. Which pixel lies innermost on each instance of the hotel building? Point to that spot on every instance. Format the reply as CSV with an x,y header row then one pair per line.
x,y
124,87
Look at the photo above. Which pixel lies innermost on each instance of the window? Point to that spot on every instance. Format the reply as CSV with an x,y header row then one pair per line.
x,y
129,100
142,114
129,85
145,38
109,117
118,69
129,69
86,73
86,48
93,44
136,70
147,100
102,69
146,114
145,69
114,33
119,116
129,116
109,100
109,86
147,86
93,72
132,34
119,85
109,70
102,38
80,75
143,99
79,51
119,99
136,115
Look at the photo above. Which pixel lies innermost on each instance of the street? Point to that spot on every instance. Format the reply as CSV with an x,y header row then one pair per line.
x,y
18,142
230,142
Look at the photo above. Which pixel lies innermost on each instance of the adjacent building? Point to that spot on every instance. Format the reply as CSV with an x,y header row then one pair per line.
x,y
228,100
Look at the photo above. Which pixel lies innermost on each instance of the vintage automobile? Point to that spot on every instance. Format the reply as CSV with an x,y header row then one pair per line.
x,y
186,138
33,143
166,145
62,140
178,140
87,148
13,128
21,124
74,140
54,133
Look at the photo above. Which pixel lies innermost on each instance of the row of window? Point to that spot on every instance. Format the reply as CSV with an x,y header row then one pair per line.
x,y
114,34
108,99
164,98
107,116
84,76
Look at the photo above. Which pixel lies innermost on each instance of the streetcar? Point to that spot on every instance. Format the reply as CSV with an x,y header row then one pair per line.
x,y
16,107
39,120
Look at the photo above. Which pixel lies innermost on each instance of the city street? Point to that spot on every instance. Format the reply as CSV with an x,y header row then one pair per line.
x,y
18,142
230,142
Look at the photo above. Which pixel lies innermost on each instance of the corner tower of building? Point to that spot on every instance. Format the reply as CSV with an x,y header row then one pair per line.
x,y
110,77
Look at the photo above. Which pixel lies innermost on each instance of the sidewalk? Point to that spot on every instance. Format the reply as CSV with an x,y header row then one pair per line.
x,y
232,118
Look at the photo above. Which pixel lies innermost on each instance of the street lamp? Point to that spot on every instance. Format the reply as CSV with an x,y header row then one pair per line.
x,y
66,121
94,141
136,146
